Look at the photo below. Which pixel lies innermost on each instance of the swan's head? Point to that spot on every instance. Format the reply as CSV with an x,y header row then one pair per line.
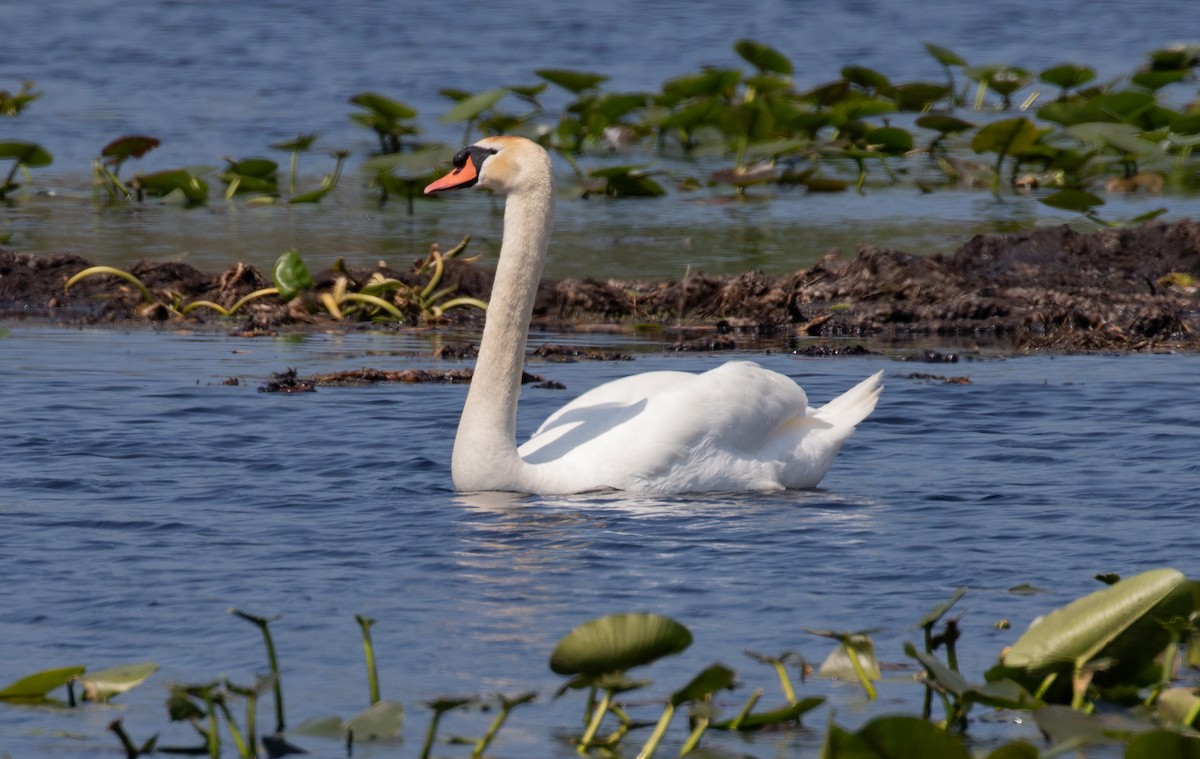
x,y
503,164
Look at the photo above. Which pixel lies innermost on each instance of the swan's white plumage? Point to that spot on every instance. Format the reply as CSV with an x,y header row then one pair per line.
x,y
737,427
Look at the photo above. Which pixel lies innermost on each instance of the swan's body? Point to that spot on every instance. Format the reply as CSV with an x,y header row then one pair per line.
x,y
738,427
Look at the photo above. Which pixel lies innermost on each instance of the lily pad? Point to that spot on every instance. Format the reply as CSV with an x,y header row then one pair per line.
x,y
106,683
383,719
894,738
35,687
1124,622
712,679
763,57
574,81
130,146
618,642
28,153
1005,137
1073,200
383,106
473,105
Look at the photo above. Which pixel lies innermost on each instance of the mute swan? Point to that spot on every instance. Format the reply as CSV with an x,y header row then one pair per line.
x,y
738,427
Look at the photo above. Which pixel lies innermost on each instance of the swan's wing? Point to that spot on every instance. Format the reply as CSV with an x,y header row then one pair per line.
x,y
639,428
806,446
615,394
854,405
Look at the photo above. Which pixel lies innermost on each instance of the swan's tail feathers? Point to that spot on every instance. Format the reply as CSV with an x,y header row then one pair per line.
x,y
854,405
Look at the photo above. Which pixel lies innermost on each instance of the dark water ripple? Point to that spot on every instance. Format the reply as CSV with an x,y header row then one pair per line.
x,y
140,499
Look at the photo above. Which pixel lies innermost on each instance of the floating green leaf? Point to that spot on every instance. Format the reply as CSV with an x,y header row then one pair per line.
x,y
301,143
1179,705
1073,200
574,81
893,738
918,96
383,719
1124,622
714,678
1005,137
618,642
25,153
890,139
1163,744
1156,80
944,55
867,78
783,715
763,57
130,146
106,683
1122,137
163,183
383,106
1068,75
471,106
35,687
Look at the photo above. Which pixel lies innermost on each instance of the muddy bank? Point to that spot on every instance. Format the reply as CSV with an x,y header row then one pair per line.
x,y
1053,289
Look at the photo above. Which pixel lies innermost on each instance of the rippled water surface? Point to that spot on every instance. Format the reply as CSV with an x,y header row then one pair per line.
x,y
227,79
141,497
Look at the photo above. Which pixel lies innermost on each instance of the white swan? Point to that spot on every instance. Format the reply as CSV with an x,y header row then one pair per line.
x,y
738,427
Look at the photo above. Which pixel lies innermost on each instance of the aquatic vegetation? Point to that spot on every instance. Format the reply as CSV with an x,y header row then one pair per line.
x,y
24,156
1056,130
1103,669
11,104
259,177
419,298
107,168
390,119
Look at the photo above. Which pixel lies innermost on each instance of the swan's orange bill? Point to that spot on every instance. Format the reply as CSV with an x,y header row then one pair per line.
x,y
465,175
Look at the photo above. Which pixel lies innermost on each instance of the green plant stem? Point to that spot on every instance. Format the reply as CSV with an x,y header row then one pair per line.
x,y
737,721
594,725
660,730
263,624
375,301
251,296
214,736
295,167
927,704
785,682
431,733
252,723
494,728
147,296
115,726
369,651
244,750
693,738
858,670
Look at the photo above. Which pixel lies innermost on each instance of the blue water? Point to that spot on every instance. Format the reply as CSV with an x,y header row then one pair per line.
x,y
141,497
227,79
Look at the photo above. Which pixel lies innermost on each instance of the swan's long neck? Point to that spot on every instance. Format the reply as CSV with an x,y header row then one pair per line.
x,y
485,450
